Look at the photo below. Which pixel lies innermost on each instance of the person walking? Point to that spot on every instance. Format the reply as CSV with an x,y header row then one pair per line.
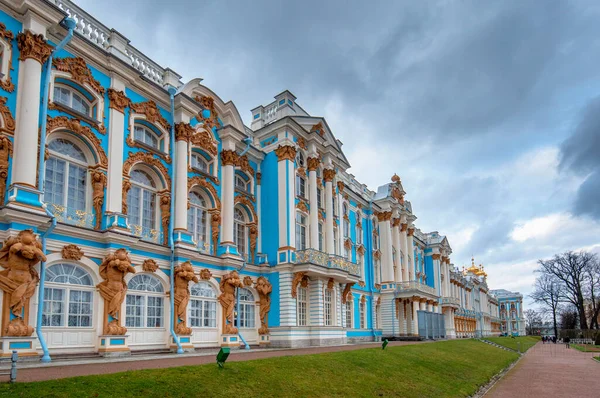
x,y
567,340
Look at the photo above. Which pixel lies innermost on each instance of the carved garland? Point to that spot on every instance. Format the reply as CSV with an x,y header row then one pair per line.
x,y
79,72
7,85
117,100
7,117
203,139
151,111
285,152
74,125
208,103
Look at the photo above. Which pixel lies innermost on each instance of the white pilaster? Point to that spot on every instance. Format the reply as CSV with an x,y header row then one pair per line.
x,y
181,185
227,191
316,287
398,247
415,317
314,208
116,132
328,177
410,252
406,274
386,246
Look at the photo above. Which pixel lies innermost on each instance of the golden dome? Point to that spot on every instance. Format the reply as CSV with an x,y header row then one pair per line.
x,y
395,178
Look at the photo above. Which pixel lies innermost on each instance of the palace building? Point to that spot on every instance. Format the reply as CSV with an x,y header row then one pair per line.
x,y
511,312
139,212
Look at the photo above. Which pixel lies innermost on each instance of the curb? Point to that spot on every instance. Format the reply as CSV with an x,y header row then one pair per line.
x,y
483,390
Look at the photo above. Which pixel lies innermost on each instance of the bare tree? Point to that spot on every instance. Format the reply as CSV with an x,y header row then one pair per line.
x,y
532,317
593,293
547,292
571,270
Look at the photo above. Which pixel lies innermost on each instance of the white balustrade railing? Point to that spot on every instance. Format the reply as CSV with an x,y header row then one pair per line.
x,y
450,301
415,286
316,257
145,65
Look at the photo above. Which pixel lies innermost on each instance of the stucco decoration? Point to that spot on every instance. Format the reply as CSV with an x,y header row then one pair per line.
x,y
75,126
248,281
229,157
301,172
207,103
302,206
244,165
5,154
152,113
227,286
377,254
244,200
183,131
205,274
403,227
299,277
118,100
203,182
32,46
318,128
384,216
328,175
148,159
361,283
410,232
378,287
360,250
79,72
98,184
124,191
72,252
301,142
7,84
258,178
203,139
264,289
215,222
113,289
165,214
149,265
347,293
330,283
18,256
7,117
341,186
348,244
184,274
285,152
313,164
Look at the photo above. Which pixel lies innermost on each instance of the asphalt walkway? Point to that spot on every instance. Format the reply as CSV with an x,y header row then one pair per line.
x,y
551,370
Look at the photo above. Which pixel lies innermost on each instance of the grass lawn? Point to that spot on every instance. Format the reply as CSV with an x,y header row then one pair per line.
x,y
597,359
444,369
526,342
586,347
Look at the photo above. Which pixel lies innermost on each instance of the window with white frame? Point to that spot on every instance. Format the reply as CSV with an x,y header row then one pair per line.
x,y
300,186
319,198
335,207
348,309
346,220
377,270
300,231
146,136
144,302
301,306
68,297
203,306
240,236
300,159
328,307
141,200
246,308
71,98
320,236
362,314
66,175
241,183
197,225
199,162
336,249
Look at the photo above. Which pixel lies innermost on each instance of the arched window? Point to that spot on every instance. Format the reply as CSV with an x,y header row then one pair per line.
x,y
68,297
197,218
203,306
66,177
141,200
301,220
240,229
348,310
241,183
301,306
144,302
199,162
328,307
246,308
72,98
362,313
300,159
146,136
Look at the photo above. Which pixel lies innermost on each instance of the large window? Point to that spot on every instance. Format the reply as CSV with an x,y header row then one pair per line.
x,y
145,136
302,306
328,307
241,183
203,306
200,163
68,297
359,237
246,308
240,229
362,314
141,200
336,248
346,220
66,175
321,236
197,218
319,198
348,309
144,302
72,99
377,270
300,186
300,231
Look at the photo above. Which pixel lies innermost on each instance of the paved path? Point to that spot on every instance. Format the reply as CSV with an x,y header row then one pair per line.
x,y
38,372
551,370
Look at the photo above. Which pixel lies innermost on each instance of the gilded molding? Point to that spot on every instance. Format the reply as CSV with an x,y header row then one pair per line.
x,y
79,72
203,182
215,223
7,85
125,189
362,284
148,159
203,139
151,111
258,177
328,175
302,206
165,212
228,157
341,186
285,152
330,283
348,244
404,227
205,274
32,46
299,277
99,181
5,154
244,200
75,126
435,256
384,216
301,143
264,289
248,281
208,103
183,132
118,100
149,265
253,234
395,222
71,252
301,172
411,232
7,117
243,163
347,293
318,128
361,250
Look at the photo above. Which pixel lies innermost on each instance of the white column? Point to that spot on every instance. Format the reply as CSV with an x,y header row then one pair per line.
x,y
285,196
259,209
328,175
313,163
228,158
410,251
181,185
415,317
386,246
32,56
316,301
116,131
400,321
406,273
397,246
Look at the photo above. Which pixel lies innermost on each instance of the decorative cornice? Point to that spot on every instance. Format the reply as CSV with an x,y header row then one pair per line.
x,y
229,157
152,113
32,46
72,252
79,72
149,159
203,182
328,175
117,100
285,152
313,164
183,131
75,126
9,121
384,216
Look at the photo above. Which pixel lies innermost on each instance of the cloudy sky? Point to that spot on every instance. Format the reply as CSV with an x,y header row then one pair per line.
x,y
488,110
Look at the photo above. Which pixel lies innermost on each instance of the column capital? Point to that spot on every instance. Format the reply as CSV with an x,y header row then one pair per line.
x,y
384,216
328,175
258,177
286,152
313,164
404,227
341,186
228,157
435,256
183,131
117,100
32,46
395,222
411,231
